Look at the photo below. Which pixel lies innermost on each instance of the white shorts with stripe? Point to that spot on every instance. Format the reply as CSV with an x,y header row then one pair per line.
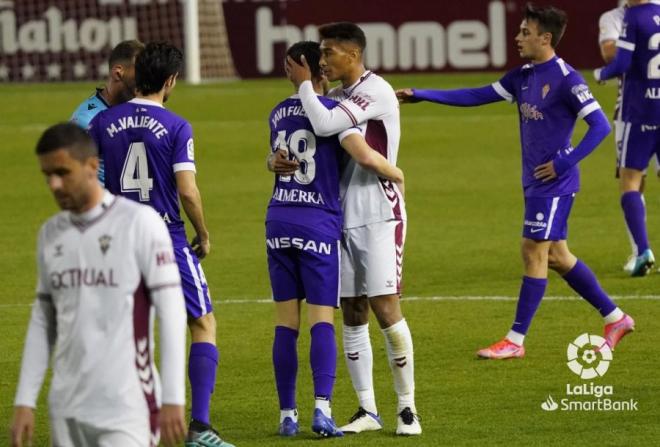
x,y
372,259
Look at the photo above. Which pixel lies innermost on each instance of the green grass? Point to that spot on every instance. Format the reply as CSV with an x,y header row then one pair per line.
x,y
465,210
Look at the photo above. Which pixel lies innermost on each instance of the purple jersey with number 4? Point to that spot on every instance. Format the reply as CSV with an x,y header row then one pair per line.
x,y
310,197
550,97
143,145
641,83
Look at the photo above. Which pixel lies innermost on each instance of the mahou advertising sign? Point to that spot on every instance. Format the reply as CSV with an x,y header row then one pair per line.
x,y
64,40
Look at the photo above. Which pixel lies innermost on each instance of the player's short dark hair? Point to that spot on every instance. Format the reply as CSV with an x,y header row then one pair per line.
x,y
344,32
157,62
550,19
67,136
312,53
125,52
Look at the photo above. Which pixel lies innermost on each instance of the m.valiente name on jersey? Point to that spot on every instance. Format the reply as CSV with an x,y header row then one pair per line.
x,y
298,195
138,121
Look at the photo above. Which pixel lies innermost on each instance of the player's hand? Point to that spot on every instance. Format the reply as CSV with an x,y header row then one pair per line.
x,y
201,247
22,427
401,187
298,72
172,424
597,72
406,96
545,172
279,163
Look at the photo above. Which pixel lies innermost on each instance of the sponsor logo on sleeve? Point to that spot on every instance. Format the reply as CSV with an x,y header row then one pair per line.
x,y
581,91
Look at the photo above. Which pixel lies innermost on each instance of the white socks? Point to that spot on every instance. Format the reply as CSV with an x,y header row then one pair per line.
x,y
359,361
516,337
400,354
289,413
613,316
324,406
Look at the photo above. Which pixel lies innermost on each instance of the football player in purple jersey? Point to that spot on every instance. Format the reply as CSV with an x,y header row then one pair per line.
x,y
550,96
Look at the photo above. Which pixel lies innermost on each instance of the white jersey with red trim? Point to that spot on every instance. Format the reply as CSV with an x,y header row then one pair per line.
x,y
372,106
100,276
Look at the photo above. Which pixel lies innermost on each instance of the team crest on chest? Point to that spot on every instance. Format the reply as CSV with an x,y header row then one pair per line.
x,y
58,251
104,243
545,91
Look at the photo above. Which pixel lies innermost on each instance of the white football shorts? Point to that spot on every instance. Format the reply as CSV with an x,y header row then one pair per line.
x,y
372,259
69,432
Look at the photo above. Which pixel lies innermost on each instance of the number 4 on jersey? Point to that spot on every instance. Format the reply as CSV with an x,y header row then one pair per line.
x,y
135,174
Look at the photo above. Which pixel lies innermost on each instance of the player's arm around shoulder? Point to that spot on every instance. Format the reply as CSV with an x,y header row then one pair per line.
x,y
367,157
191,201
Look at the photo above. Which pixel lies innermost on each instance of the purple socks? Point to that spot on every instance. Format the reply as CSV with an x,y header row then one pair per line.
x,y
323,359
635,214
202,365
285,363
584,282
531,294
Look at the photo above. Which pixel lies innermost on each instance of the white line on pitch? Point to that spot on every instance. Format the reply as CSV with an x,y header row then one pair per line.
x,y
425,298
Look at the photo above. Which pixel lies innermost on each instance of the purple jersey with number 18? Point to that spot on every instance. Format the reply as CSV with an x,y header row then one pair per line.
x,y
310,197
143,145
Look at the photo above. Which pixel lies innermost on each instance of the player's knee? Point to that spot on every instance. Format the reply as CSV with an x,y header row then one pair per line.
x,y
387,310
203,328
355,311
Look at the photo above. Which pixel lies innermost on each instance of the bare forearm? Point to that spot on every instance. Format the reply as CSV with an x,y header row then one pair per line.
x,y
192,206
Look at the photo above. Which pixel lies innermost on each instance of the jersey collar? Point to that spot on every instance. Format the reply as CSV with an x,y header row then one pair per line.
x,y
349,90
146,102
89,217
100,97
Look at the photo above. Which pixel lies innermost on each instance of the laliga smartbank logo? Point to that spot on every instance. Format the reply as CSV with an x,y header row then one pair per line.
x,y
589,356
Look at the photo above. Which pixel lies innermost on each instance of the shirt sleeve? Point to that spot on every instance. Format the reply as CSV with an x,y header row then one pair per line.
x,y
184,149
506,86
358,108
158,267
40,339
609,27
578,95
154,250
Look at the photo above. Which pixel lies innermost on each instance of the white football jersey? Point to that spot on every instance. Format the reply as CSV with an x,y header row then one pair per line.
x,y
96,279
369,106
610,24
372,106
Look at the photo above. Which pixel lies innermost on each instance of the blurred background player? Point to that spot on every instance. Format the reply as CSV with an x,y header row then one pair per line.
x,y
119,87
550,96
149,157
374,222
609,30
305,207
103,261
637,52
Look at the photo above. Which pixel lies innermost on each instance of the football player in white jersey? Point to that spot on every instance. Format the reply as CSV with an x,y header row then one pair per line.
x,y
374,222
609,26
104,265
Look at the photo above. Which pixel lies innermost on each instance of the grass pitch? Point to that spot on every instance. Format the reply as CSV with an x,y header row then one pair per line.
x,y
465,210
